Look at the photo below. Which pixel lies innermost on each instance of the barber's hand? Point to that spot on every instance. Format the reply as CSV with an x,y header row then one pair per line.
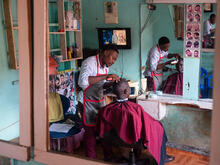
x,y
177,56
212,30
170,62
112,77
165,69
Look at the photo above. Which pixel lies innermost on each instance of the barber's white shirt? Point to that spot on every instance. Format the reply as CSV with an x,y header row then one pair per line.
x,y
207,27
89,68
153,59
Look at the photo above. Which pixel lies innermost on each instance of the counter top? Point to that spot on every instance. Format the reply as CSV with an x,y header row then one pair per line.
x,y
179,100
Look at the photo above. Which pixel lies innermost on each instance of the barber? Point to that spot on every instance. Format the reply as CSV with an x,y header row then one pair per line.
x,y
209,26
209,32
155,63
93,75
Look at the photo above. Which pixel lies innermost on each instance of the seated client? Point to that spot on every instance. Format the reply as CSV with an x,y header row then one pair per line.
x,y
131,124
174,83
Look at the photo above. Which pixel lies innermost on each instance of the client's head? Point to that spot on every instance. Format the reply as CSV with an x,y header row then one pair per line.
x,y
179,65
121,89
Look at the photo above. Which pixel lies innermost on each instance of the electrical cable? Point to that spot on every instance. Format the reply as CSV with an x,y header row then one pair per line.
x,y
9,126
126,76
146,21
122,64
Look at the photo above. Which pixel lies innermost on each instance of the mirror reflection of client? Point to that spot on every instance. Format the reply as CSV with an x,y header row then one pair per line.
x,y
155,64
174,83
123,123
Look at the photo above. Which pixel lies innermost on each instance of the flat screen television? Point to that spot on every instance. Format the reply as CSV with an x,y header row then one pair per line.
x,y
121,37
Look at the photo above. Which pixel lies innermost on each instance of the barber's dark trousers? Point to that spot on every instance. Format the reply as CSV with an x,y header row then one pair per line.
x,y
89,139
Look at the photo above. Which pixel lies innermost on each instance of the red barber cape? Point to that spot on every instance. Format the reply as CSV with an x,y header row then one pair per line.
x,y
131,123
174,84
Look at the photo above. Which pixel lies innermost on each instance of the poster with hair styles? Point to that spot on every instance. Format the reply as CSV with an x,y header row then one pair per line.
x,y
64,84
193,19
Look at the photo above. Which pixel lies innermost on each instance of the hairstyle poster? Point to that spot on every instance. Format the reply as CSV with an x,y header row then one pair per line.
x,y
193,20
65,85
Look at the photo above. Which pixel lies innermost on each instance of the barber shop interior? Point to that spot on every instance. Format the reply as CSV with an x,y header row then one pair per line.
x,y
94,82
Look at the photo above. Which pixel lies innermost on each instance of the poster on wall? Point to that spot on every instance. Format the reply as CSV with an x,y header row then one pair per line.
x,y
111,12
193,19
64,84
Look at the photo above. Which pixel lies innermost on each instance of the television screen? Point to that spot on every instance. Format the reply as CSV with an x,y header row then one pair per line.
x,y
118,36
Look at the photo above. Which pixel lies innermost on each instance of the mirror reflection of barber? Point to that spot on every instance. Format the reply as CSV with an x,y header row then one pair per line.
x,y
209,26
155,63
209,32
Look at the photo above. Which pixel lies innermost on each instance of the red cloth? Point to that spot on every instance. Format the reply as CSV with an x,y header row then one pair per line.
x,y
131,123
174,84
52,66
68,144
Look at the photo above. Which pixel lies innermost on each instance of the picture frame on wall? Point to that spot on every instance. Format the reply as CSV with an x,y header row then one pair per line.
x,y
207,7
111,12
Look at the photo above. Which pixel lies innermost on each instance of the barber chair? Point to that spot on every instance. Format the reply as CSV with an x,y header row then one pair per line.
x,y
204,83
210,85
135,149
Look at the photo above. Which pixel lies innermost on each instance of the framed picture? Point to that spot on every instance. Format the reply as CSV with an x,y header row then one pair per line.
x,y
207,7
111,12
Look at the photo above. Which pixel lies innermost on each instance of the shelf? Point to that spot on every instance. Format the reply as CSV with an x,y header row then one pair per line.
x,y
207,50
55,1
10,35
53,24
54,50
57,33
59,28
72,59
157,107
73,30
15,27
206,104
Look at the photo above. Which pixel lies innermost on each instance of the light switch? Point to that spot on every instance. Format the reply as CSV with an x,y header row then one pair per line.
x,y
187,85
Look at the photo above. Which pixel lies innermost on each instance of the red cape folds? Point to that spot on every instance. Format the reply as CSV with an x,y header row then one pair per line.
x,y
174,84
131,123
